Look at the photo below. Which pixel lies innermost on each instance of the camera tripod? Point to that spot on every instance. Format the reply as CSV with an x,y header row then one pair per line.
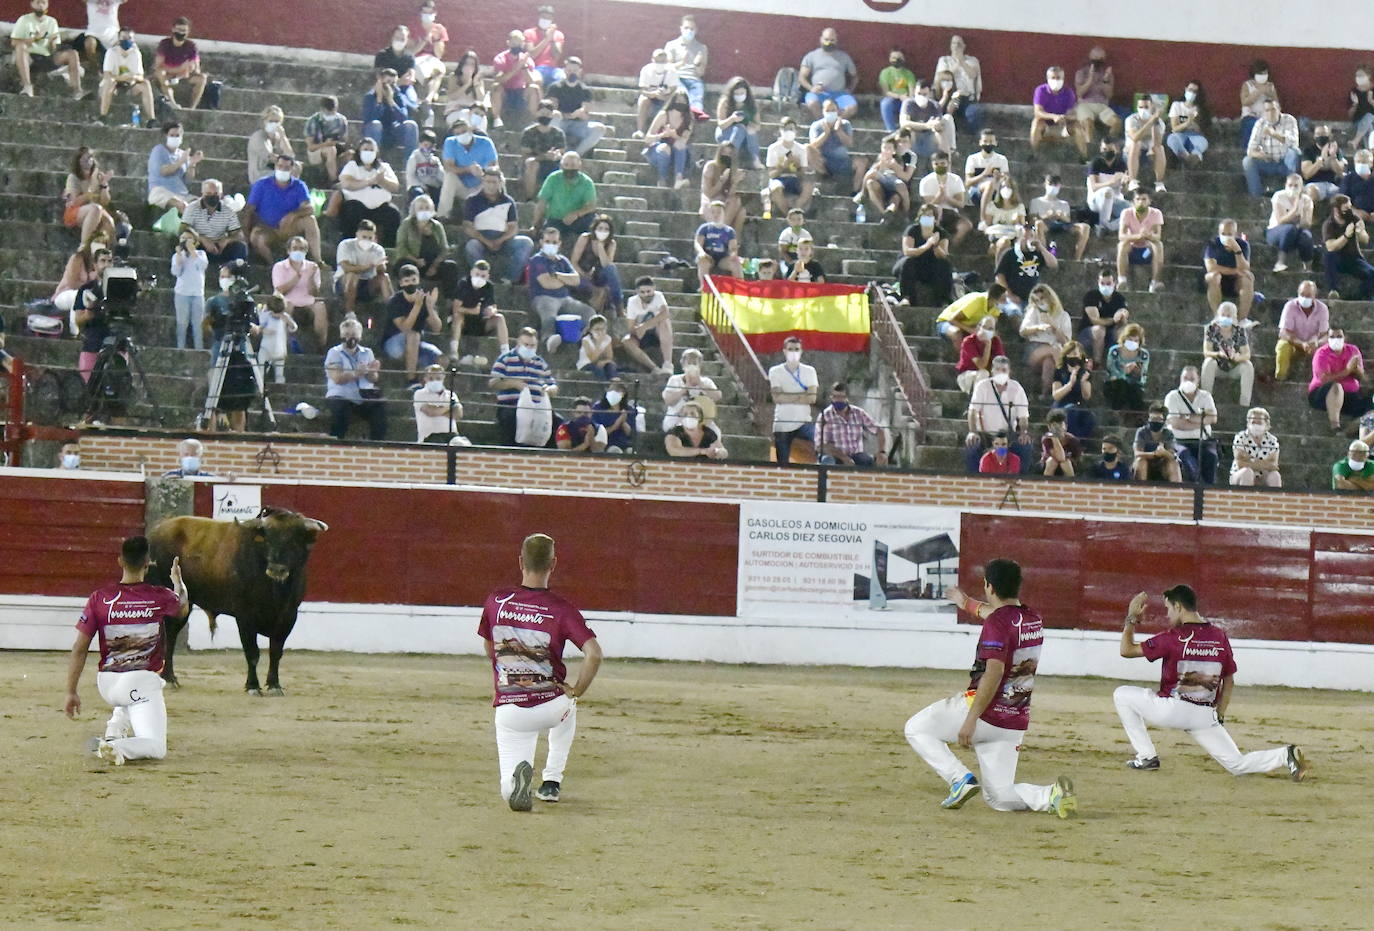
x,y
106,392
227,344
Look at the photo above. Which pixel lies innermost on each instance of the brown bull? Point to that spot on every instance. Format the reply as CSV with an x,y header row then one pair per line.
x,y
254,570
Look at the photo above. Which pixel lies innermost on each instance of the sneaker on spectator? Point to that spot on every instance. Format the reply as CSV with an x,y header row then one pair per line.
x,y
1280,266
1333,295
553,342
479,362
1160,188
1134,185
666,368
26,90
1156,287
467,360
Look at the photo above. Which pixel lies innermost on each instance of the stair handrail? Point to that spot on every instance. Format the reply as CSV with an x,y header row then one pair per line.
x,y
734,348
896,354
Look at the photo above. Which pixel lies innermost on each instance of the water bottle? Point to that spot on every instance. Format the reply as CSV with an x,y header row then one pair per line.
x,y
136,116
859,215
767,208
1054,249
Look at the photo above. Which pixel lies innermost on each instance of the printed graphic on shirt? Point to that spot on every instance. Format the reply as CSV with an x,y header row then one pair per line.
x,y
131,646
1020,681
1199,681
524,664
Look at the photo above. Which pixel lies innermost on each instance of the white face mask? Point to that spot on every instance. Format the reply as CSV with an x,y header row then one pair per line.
x,y
613,397
946,85
792,355
1362,81
71,461
1189,96
1143,112
1187,386
603,234
174,142
465,138
1262,78
740,96
424,216
398,44
1131,345
435,387
1055,83
426,18
544,22
691,368
1052,190
688,33
1356,465
830,117
549,248
1005,191
1106,289
927,223
525,352
283,177
1304,302
691,423
920,99
226,283
1256,430
789,135
190,463
272,127
985,334
1363,168
367,156
478,281
1225,321
296,255
1001,378
1337,343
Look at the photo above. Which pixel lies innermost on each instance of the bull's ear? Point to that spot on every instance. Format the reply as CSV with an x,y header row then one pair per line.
x,y
318,526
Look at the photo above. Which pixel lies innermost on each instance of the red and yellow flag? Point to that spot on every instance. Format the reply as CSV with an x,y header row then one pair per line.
x,y
828,317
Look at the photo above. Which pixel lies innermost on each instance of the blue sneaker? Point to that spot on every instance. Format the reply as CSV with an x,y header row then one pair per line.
x,y
961,792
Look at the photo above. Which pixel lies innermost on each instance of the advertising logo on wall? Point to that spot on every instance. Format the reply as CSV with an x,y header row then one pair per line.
x,y
795,557
237,502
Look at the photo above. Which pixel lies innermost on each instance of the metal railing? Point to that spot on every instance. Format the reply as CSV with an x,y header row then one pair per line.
x,y
913,388
12,396
738,355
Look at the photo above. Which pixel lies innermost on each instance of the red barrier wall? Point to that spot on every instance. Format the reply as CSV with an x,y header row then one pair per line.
x,y
616,38
1264,583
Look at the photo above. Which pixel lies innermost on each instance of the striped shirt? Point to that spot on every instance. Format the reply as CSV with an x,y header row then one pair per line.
x,y
534,372
845,431
1271,147
210,225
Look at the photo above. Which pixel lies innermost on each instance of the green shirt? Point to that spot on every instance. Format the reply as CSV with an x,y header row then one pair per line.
x,y
896,80
409,242
563,198
43,29
1342,470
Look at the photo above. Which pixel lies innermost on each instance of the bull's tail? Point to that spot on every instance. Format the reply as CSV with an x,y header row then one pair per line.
x,y
213,626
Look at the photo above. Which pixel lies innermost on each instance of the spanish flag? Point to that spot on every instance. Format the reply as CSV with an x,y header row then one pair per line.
x,y
827,317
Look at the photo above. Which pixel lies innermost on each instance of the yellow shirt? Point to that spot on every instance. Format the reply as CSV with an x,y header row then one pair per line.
x,y
969,309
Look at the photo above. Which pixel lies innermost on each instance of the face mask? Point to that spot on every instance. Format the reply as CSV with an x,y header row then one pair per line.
x,y
1131,345
941,169
571,77
366,156
545,22
517,49
688,33
226,283
174,142
1262,78
1000,452
424,216
1108,458
946,85
691,423
987,147
543,119
1001,378
478,122
1362,169
1004,191
827,43
190,463
1055,83
789,135
397,44
1321,140
1156,426
1256,430
985,335
840,405
1144,113
603,234
410,288
296,255
740,96
1304,302
1337,343
435,387
1189,96
549,248
465,138
126,44
272,127
211,201
1073,362
921,99
1051,190
1362,81
525,352
351,342
180,36
71,460
792,355
1293,191
691,368
1187,386
283,177
613,397
1109,154
927,223
1356,465
830,117
1225,321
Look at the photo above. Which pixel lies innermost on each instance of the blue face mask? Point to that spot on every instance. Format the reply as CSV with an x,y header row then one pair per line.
x,y
1001,451
126,44
840,405
190,463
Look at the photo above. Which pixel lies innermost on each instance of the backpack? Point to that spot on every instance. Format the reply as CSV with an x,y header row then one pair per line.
x,y
786,87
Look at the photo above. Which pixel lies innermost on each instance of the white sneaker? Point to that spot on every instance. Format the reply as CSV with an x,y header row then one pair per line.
x,y
109,753
1156,287
666,368
26,90
1280,266
479,361
1160,188
553,342
466,360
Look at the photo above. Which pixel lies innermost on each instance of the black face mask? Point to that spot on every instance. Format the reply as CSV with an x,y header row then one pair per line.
x,y
898,62
571,79
1321,140
1156,426
180,36
1109,154
351,342
725,161
987,146
543,120
212,201
1073,362
1108,458
517,49
410,288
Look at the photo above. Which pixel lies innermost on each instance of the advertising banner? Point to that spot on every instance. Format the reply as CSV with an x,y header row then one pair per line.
x,y
237,502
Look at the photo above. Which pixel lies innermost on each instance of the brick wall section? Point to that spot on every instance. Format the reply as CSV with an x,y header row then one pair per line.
x,y
543,471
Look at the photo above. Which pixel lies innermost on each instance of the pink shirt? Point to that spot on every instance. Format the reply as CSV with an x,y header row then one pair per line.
x,y
434,32
1305,324
1133,225
1196,658
528,628
534,35
298,296
1012,634
503,62
129,620
1325,361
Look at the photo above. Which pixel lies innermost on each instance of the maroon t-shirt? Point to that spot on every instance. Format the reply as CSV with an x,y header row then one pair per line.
x,y
1012,634
528,628
176,55
129,619
1196,658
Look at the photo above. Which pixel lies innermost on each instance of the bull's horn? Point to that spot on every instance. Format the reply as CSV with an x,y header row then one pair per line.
x,y
320,526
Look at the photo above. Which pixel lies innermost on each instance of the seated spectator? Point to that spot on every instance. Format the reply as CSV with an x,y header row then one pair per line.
x,y
572,97
421,240
428,43
1359,185
1140,241
1189,120
767,269
925,260
368,184
360,268
827,73
351,387
888,182
516,85
984,168
961,318
545,42
617,415
469,301
1047,329
122,69
967,74
1255,453
1355,472
1322,166
1255,92
275,327
789,168
37,43
793,386
215,225
326,132
298,280
895,83
737,121
1226,261
998,405
266,143
412,314
466,89
177,59
594,258
188,295
542,145
1155,456
86,197
1128,368
1054,106
437,409
668,142
1337,373
512,373
1111,467
580,433
551,278
1191,414
69,458
169,168
596,352
721,178
1002,216
1053,216
651,327
1303,324
1145,136
1018,270
931,128
976,353
88,316
491,223
397,55
805,269
688,55
1343,236
389,112
840,429
945,191
1000,460
791,234
1094,86
1104,309
1272,149
1361,113
830,139
84,267
1072,389
424,171
658,82
1060,451
467,159
567,198
1106,180
278,209
717,246
688,386
1290,217
102,31
693,437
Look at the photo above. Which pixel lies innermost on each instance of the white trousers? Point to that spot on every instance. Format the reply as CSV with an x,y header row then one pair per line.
x,y
1138,706
931,731
1103,200
452,191
138,706
517,735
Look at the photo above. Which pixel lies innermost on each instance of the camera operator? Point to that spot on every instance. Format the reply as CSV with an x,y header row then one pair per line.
x,y
232,313
91,318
